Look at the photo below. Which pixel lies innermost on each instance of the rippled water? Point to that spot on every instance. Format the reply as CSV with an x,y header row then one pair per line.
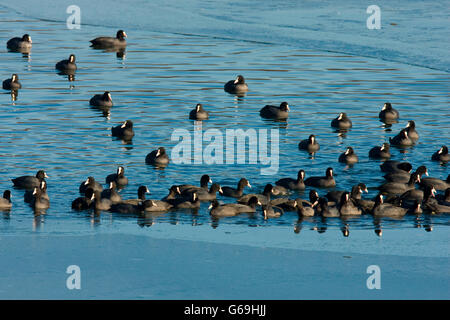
x,y
159,80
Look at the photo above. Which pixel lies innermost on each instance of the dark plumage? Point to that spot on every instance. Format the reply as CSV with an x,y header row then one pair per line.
x,y
293,184
236,86
39,202
28,195
90,183
29,182
12,83
404,176
142,190
19,44
5,201
110,42
84,202
402,139
233,209
348,157
123,131
118,178
388,113
101,100
441,155
397,188
382,152
198,113
157,157
382,209
271,211
264,197
396,166
437,183
411,129
111,193
309,144
189,188
236,193
322,182
190,202
67,65
274,112
101,204
347,207
355,194
341,122
324,210
207,195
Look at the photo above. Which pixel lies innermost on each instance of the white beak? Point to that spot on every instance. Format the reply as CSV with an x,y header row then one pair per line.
x,y
210,206
220,191
210,181
124,125
34,190
146,190
158,153
45,175
86,182
249,185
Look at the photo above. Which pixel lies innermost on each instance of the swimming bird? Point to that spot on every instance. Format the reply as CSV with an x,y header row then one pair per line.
x,y
101,204
396,166
348,157
190,202
206,195
12,83
388,113
274,112
238,192
67,65
118,178
437,183
111,193
109,42
397,188
174,191
20,44
29,196
305,210
402,139
269,211
336,195
198,113
323,209
347,207
309,144
403,175
293,184
123,131
189,188
84,202
141,191
39,202
342,121
5,201
382,152
233,209
441,155
412,132
90,183
101,100
158,157
263,197
382,209
322,182
236,86
29,182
